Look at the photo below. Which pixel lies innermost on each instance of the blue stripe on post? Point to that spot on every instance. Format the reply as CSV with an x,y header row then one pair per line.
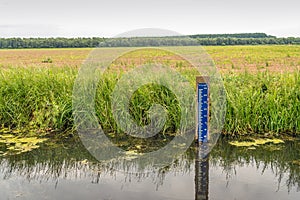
x,y
202,101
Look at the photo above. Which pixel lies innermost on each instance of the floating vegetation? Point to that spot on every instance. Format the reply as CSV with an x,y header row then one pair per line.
x,y
255,142
84,162
296,162
17,145
131,155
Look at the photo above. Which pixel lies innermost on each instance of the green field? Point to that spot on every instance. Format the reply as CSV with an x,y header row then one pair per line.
x,y
262,85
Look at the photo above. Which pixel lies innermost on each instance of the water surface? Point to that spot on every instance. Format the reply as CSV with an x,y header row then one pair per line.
x,y
67,171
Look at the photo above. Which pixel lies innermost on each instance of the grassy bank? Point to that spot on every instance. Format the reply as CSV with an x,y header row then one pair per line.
x,y
263,103
40,99
36,98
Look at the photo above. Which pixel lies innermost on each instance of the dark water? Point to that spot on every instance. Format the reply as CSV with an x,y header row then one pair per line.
x,y
66,171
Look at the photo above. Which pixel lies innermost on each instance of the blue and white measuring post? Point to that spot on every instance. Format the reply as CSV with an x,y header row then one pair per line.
x,y
202,132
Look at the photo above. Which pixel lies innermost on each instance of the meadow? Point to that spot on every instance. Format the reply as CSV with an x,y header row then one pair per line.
x,y
262,86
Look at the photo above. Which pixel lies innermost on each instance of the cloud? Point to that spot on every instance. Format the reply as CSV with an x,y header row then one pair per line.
x,y
28,30
286,32
79,18
152,32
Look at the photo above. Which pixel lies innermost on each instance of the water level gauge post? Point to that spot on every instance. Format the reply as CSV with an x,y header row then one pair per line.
x,y
202,116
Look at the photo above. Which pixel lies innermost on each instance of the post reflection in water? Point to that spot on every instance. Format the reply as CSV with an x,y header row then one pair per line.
x,y
201,172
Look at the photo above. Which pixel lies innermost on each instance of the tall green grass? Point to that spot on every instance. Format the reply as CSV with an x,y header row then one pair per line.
x,y
263,103
41,99
36,98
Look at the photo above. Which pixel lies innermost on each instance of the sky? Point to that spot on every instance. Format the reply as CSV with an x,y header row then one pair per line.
x,y
99,18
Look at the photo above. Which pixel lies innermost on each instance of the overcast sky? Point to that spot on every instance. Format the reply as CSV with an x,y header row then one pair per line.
x,y
86,18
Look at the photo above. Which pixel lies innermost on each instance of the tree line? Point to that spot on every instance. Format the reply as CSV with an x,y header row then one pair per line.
x,y
18,43
193,40
235,35
248,41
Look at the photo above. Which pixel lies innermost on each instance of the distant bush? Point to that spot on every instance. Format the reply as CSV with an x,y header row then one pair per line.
x,y
47,60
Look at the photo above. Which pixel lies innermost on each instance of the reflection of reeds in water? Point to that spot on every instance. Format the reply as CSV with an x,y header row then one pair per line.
x,y
73,162
280,158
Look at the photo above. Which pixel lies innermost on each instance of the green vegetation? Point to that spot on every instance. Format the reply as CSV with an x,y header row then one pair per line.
x,y
261,98
199,39
17,145
41,99
255,142
247,41
234,35
47,60
19,43
36,98
263,103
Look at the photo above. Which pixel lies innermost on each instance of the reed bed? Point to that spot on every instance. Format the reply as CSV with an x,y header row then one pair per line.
x,y
36,99
263,103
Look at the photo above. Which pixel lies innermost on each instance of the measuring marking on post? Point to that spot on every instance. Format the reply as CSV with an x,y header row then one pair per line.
x,y
202,132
